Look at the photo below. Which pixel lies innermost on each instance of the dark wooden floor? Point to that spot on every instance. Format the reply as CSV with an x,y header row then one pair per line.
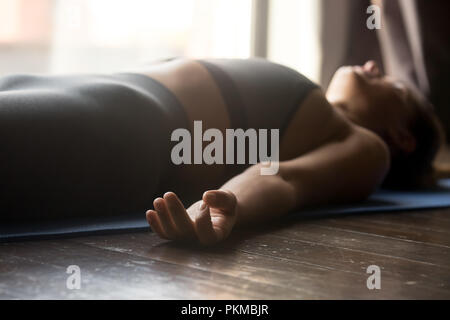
x,y
302,259
312,259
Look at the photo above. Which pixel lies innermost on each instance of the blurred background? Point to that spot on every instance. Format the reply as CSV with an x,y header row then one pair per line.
x,y
314,37
58,36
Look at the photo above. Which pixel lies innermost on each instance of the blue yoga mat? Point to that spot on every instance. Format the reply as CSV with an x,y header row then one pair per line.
x,y
381,201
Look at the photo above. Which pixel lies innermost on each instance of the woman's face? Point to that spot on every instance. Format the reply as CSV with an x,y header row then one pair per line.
x,y
369,98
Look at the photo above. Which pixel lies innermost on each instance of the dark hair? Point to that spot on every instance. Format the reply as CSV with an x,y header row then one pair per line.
x,y
415,170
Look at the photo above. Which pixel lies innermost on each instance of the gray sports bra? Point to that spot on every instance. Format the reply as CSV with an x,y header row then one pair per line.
x,y
259,94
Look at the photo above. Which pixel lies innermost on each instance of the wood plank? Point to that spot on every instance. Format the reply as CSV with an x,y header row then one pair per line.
x,y
424,222
411,251
442,215
266,258
430,233
314,281
401,274
37,270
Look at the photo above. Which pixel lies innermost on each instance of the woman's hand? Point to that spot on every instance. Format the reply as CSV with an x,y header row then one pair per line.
x,y
207,221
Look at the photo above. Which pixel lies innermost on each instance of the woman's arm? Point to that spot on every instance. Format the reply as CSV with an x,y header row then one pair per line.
x,y
346,169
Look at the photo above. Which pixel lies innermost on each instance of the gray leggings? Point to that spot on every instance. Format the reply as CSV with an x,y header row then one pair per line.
x,y
83,145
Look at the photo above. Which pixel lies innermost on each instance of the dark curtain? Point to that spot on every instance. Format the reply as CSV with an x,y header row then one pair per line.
x,y
344,37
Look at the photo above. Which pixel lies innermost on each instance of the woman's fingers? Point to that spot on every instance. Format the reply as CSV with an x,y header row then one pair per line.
x,y
164,218
205,232
182,221
220,199
155,224
170,219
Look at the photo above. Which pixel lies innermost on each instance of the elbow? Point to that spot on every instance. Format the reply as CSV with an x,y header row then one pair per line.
x,y
375,164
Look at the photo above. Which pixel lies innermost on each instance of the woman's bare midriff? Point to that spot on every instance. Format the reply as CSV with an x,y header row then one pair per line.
x,y
196,90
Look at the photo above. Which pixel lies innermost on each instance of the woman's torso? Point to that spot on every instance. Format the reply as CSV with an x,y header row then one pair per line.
x,y
270,96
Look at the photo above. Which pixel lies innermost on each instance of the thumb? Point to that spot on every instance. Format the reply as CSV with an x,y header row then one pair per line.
x,y
220,199
203,225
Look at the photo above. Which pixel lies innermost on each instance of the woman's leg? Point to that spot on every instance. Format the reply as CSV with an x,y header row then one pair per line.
x,y
77,146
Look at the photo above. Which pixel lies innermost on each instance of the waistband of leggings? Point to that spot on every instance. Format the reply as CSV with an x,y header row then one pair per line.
x,y
162,96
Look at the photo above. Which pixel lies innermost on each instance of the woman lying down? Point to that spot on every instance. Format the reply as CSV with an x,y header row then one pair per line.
x,y
85,145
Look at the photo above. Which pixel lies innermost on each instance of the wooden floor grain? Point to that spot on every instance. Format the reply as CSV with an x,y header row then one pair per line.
x,y
322,258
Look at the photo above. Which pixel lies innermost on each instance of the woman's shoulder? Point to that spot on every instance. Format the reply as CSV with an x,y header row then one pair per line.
x,y
314,123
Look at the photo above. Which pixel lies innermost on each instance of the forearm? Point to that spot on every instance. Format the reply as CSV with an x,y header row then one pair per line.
x,y
346,170
261,198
